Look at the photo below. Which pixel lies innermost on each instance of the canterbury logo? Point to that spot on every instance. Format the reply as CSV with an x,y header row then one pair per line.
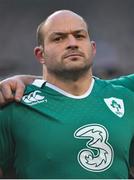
x,y
34,98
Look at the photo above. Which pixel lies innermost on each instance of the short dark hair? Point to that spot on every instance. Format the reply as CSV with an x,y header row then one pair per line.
x,y
39,34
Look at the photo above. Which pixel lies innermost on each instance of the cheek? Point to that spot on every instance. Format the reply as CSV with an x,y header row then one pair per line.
x,y
51,57
87,51
52,51
86,47
90,50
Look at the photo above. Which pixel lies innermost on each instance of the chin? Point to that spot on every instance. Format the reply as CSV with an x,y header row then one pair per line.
x,y
76,66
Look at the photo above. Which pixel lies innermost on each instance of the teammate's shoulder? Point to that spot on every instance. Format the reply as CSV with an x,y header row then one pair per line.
x,y
106,85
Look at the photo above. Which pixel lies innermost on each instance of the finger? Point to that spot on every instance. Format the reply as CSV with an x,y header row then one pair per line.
x,y
20,87
2,100
6,92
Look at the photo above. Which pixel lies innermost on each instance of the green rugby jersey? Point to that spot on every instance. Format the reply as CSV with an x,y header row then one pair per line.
x,y
126,81
52,134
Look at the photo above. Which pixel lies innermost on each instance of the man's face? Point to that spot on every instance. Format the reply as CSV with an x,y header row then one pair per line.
x,y
67,47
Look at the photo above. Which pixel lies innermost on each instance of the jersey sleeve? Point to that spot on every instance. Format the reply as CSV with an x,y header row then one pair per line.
x,y
126,81
6,140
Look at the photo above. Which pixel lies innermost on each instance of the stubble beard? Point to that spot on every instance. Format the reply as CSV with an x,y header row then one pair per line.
x,y
72,74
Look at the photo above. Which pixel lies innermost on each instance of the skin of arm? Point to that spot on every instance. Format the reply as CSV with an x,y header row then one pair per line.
x,y
13,88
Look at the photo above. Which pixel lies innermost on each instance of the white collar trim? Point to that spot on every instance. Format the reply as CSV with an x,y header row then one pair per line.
x,y
70,95
38,82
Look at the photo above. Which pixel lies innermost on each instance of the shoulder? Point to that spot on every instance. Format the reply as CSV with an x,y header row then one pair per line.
x,y
126,81
115,94
12,108
106,87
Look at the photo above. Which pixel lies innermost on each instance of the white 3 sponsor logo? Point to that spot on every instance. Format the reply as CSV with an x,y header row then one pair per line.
x,y
99,154
34,98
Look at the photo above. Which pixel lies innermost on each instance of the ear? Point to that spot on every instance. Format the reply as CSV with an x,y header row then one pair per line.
x,y
93,44
39,53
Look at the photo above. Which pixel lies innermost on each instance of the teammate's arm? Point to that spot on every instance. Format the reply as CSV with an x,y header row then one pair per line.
x,y
13,88
126,81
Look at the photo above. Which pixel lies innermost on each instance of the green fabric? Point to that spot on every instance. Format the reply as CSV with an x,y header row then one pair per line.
x,y
126,81
50,135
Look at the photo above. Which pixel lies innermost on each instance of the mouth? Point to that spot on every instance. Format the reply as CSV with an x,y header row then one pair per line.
x,y
73,55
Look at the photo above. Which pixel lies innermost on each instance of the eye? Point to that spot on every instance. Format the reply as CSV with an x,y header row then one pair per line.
x,y
80,36
58,39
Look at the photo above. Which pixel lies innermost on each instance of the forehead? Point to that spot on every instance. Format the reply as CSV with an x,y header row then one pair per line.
x,y
64,23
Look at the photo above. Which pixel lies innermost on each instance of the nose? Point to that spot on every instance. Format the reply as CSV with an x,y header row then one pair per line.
x,y
72,42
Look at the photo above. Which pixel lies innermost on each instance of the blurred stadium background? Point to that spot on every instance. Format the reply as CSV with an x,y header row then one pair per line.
x,y
110,22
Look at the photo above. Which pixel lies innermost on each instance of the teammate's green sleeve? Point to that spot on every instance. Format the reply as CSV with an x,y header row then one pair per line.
x,y
126,81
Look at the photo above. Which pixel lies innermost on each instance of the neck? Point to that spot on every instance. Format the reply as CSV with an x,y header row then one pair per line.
x,y
75,87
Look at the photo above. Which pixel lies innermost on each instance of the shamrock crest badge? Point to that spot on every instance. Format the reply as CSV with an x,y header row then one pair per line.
x,y
115,105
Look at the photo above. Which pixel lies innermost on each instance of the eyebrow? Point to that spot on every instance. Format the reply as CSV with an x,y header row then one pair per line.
x,y
65,33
